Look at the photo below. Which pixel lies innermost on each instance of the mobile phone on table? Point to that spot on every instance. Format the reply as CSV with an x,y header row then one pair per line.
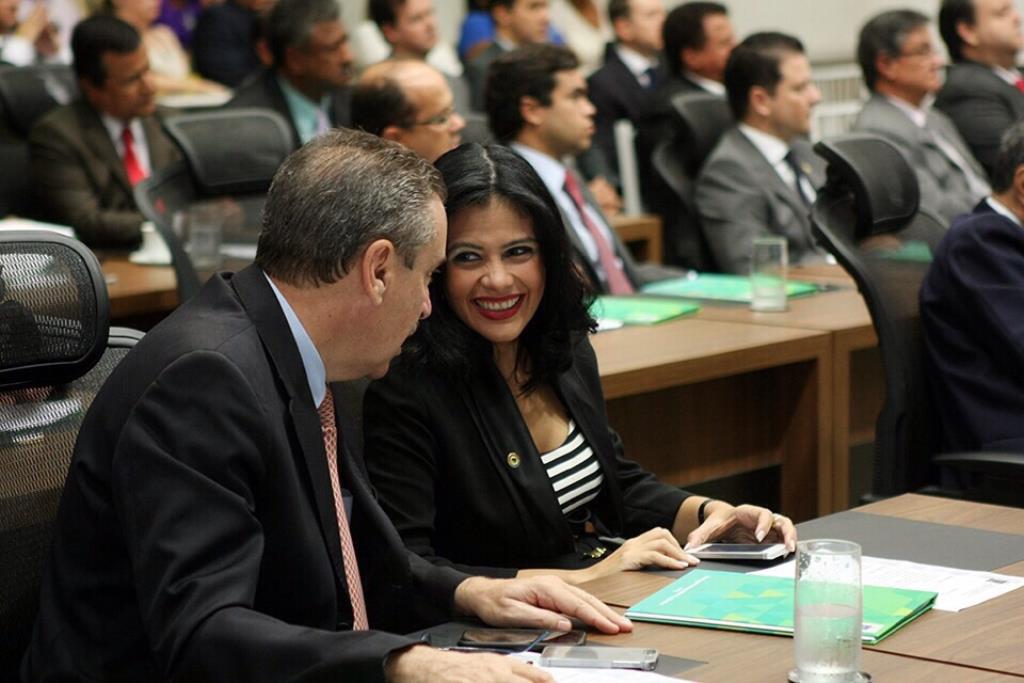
x,y
738,551
518,638
644,659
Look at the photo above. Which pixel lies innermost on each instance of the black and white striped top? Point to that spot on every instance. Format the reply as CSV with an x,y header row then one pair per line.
x,y
574,471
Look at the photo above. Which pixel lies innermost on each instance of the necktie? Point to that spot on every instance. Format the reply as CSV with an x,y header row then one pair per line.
x,y
1019,84
132,167
647,81
618,283
348,550
798,175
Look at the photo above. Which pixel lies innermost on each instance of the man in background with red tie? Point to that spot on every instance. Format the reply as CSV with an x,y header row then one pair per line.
x,y
88,155
217,523
537,103
984,92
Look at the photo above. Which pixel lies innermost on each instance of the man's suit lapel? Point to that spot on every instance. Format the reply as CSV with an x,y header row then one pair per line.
x,y
96,137
944,127
773,182
262,307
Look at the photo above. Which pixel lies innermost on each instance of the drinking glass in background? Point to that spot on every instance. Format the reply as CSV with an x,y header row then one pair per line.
x,y
205,232
828,613
768,270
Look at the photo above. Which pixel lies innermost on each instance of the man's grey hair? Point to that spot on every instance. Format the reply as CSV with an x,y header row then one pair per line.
x,y
336,195
1009,158
290,23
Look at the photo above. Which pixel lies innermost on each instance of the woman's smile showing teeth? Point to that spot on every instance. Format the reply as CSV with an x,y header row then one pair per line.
x,y
499,308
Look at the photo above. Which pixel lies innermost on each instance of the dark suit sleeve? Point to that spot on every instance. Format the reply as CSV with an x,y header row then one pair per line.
x,y
219,47
981,117
646,502
733,212
402,457
66,194
608,112
186,476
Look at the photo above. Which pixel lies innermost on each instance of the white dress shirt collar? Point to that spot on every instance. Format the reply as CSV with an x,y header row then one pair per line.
x,y
551,170
637,64
1001,209
771,148
712,86
316,373
1007,75
919,115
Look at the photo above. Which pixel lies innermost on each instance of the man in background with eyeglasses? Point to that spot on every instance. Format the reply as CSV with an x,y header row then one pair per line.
x,y
408,101
901,68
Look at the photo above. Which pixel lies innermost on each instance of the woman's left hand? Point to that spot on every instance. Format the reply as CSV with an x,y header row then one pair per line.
x,y
742,524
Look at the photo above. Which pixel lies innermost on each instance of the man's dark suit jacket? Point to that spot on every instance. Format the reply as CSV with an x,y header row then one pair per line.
x,y
441,459
224,43
740,197
78,179
982,105
972,315
263,91
476,74
197,539
617,94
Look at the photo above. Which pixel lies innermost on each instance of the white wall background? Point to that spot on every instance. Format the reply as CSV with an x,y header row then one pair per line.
x,y
828,28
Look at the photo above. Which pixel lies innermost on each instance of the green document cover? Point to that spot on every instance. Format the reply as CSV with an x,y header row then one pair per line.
x,y
764,604
639,310
719,287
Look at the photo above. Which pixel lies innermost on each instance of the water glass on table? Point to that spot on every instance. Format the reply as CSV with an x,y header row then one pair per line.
x,y
768,271
827,613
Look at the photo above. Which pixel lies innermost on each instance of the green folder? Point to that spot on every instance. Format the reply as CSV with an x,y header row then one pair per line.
x,y
764,604
720,287
640,310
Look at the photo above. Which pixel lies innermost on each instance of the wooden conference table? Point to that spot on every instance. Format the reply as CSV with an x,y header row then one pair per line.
x,y
981,643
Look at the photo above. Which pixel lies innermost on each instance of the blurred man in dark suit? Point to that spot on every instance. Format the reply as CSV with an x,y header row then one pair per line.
x,y
901,68
984,91
312,66
761,177
217,523
224,42
516,23
972,316
408,101
624,87
85,157
698,38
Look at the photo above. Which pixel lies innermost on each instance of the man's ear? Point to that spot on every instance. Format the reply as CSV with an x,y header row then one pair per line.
x,y
1018,184
389,33
376,269
531,110
883,66
393,133
759,101
967,33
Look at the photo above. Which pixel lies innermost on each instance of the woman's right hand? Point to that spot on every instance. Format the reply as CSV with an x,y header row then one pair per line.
x,y
654,548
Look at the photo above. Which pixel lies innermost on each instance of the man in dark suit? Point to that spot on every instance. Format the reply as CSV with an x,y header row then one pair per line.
x,y
972,308
984,91
216,523
86,156
312,66
537,102
410,28
761,177
698,38
901,68
408,101
624,87
516,23
224,42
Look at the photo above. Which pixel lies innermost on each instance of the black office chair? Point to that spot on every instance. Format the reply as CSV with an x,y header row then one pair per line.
x,y
229,158
867,215
29,92
56,350
698,122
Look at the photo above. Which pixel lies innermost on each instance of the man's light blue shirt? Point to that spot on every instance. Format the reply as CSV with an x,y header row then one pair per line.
x,y
310,118
316,374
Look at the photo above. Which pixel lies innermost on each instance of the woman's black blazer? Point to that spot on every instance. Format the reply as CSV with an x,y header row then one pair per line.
x,y
457,471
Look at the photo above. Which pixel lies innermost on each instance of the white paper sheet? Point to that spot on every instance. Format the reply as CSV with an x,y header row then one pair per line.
x,y
958,589
571,675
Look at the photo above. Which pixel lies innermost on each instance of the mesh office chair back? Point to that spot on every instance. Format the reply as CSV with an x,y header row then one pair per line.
x,y
697,122
56,350
867,215
229,159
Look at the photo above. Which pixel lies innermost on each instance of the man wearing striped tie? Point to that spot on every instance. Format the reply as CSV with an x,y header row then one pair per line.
x,y
217,523
86,156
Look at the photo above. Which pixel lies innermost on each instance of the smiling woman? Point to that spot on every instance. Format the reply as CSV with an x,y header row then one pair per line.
x,y
488,442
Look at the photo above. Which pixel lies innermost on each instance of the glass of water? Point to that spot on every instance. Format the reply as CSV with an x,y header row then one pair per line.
x,y
768,270
828,613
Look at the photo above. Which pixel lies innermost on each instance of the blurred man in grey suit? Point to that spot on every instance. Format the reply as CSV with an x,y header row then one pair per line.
x,y
901,68
761,178
984,91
